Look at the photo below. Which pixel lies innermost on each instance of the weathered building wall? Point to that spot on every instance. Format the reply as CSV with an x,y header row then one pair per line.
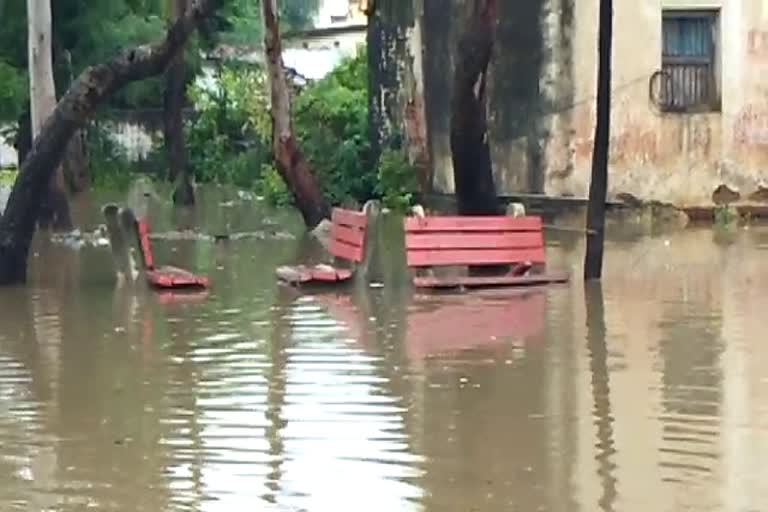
x,y
675,157
395,48
542,100
530,76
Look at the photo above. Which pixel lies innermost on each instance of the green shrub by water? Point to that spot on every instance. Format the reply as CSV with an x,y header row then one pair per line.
x,y
229,139
7,177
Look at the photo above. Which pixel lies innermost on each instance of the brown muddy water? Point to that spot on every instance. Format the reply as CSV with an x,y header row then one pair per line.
x,y
648,393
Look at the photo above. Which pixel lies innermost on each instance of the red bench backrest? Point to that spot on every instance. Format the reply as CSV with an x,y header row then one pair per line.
x,y
348,233
146,245
498,240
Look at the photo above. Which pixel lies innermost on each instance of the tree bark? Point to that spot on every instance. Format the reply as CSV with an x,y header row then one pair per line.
x,y
23,140
94,85
42,94
472,170
598,187
76,160
291,163
76,164
175,94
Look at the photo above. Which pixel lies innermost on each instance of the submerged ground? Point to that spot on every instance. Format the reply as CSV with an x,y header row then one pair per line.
x,y
648,393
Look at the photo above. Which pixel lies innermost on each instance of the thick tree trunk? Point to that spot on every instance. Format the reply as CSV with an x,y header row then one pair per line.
x,y
175,94
23,140
76,160
472,170
291,163
598,187
76,164
17,226
42,94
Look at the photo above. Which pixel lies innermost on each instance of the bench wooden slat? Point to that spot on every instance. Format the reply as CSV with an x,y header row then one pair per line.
x,y
346,251
349,218
348,239
146,246
483,240
429,258
472,224
348,235
478,282
320,273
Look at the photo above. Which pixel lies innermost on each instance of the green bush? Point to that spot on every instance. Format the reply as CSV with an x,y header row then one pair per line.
x,y
331,122
726,216
272,188
7,177
397,184
109,166
229,138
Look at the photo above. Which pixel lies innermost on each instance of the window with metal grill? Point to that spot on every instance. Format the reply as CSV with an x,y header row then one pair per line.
x,y
688,78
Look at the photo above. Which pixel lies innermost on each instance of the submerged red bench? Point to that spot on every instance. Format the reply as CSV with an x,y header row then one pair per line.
x,y
349,233
517,242
165,277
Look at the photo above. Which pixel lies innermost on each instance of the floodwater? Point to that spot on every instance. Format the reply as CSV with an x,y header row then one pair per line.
x,y
647,393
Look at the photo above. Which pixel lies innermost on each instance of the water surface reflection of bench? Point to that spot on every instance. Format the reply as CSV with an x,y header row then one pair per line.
x,y
440,325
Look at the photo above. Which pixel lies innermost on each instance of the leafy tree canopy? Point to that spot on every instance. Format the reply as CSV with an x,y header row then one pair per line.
x,y
86,32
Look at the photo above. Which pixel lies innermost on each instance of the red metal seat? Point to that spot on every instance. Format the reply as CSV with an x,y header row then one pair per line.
x,y
349,231
165,277
516,242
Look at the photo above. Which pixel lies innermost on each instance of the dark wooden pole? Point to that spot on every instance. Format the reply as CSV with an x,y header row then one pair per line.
x,y
598,187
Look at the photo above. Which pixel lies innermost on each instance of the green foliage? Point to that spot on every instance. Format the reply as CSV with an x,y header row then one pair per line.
x,y
13,92
397,184
7,177
331,122
244,25
298,14
110,167
271,186
230,138
726,216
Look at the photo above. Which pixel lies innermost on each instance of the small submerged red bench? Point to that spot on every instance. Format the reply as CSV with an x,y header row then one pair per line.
x,y
165,277
516,242
349,234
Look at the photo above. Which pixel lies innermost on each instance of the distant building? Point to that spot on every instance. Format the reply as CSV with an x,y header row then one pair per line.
x,y
336,13
338,31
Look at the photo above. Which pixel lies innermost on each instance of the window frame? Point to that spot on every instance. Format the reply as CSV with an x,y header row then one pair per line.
x,y
713,102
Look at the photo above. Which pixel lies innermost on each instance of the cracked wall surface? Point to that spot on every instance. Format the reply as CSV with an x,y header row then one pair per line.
x,y
542,101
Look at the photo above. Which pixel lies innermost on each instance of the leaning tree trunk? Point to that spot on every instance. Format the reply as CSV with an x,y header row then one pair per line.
x,y
23,140
17,226
76,160
598,187
42,94
472,171
291,163
175,94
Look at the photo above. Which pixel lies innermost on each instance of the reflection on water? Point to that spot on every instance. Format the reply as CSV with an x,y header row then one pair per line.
x,y
648,392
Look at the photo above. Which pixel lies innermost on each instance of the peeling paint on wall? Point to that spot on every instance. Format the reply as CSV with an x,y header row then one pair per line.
x,y
542,103
397,118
